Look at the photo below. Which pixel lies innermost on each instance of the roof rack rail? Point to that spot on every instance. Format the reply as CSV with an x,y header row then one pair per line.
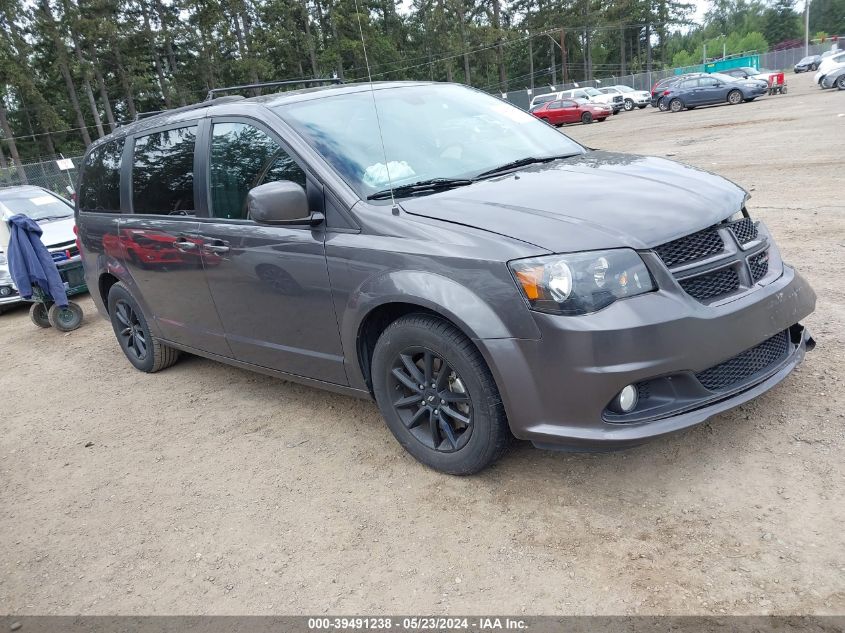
x,y
268,84
192,106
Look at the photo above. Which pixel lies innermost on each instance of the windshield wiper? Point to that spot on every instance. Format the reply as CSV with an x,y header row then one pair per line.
x,y
434,184
522,162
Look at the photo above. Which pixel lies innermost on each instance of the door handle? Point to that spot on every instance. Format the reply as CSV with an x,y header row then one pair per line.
x,y
217,248
184,245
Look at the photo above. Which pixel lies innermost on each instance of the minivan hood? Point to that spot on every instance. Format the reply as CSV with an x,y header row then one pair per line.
x,y
590,201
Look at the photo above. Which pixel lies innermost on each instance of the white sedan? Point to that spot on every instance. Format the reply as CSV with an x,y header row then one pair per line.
x,y
632,98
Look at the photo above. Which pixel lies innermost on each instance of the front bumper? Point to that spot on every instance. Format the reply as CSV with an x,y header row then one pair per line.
x,y
556,389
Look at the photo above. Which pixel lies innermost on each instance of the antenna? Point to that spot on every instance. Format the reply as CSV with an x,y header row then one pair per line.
x,y
395,207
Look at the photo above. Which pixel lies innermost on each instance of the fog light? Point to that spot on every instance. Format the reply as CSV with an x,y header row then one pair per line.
x,y
626,401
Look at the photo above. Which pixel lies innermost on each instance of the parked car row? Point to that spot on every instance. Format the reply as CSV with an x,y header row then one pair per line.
x,y
592,95
690,90
586,105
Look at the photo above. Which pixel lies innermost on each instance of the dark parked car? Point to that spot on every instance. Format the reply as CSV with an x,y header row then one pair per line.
x,y
659,88
811,62
479,274
711,89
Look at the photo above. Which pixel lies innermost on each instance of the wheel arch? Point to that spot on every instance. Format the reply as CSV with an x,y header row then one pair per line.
x,y
104,284
378,304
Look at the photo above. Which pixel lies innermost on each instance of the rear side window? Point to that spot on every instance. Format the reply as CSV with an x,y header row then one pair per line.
x,y
243,157
163,172
99,188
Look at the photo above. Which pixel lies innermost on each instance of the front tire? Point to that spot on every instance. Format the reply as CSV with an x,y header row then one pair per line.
x,y
840,82
438,396
662,105
586,118
629,105
133,334
734,97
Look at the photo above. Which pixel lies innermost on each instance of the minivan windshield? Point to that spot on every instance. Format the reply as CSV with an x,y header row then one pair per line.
x,y
38,205
430,131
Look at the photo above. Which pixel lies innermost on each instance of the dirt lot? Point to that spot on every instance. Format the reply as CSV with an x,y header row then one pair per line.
x,y
207,489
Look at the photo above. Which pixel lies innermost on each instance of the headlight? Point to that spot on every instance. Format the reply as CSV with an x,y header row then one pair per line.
x,y
581,282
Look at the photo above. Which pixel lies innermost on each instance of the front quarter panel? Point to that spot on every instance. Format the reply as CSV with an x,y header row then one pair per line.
x,y
458,272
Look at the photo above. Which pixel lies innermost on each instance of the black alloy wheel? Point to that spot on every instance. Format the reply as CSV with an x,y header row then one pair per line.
x,y
141,348
132,335
431,400
437,395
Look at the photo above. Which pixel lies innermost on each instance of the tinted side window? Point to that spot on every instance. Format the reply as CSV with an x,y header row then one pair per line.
x,y
163,172
99,188
243,157
555,105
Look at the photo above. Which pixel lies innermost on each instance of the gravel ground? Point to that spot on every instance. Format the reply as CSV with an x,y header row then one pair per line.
x,y
207,489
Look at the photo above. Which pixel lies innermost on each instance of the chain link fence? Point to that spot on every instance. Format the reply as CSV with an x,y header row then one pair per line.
x,y
48,174
774,60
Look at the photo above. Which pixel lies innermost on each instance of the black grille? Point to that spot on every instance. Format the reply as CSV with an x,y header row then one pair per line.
x,y
711,285
690,247
745,365
759,265
745,230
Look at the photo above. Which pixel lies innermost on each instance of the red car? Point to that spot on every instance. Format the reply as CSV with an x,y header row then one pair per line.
x,y
571,111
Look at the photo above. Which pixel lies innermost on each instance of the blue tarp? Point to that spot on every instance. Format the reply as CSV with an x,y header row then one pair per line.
x,y
30,262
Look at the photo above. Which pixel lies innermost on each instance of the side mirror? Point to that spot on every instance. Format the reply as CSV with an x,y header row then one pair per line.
x,y
280,203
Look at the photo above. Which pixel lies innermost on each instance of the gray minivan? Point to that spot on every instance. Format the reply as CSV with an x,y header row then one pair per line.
x,y
478,273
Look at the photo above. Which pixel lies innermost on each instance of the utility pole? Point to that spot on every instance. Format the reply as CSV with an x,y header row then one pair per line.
x,y
531,61
704,53
563,73
622,48
806,27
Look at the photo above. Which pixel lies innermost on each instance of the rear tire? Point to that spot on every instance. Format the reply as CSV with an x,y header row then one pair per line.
x,y
586,118
840,82
734,97
676,105
456,423
38,313
146,353
65,319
